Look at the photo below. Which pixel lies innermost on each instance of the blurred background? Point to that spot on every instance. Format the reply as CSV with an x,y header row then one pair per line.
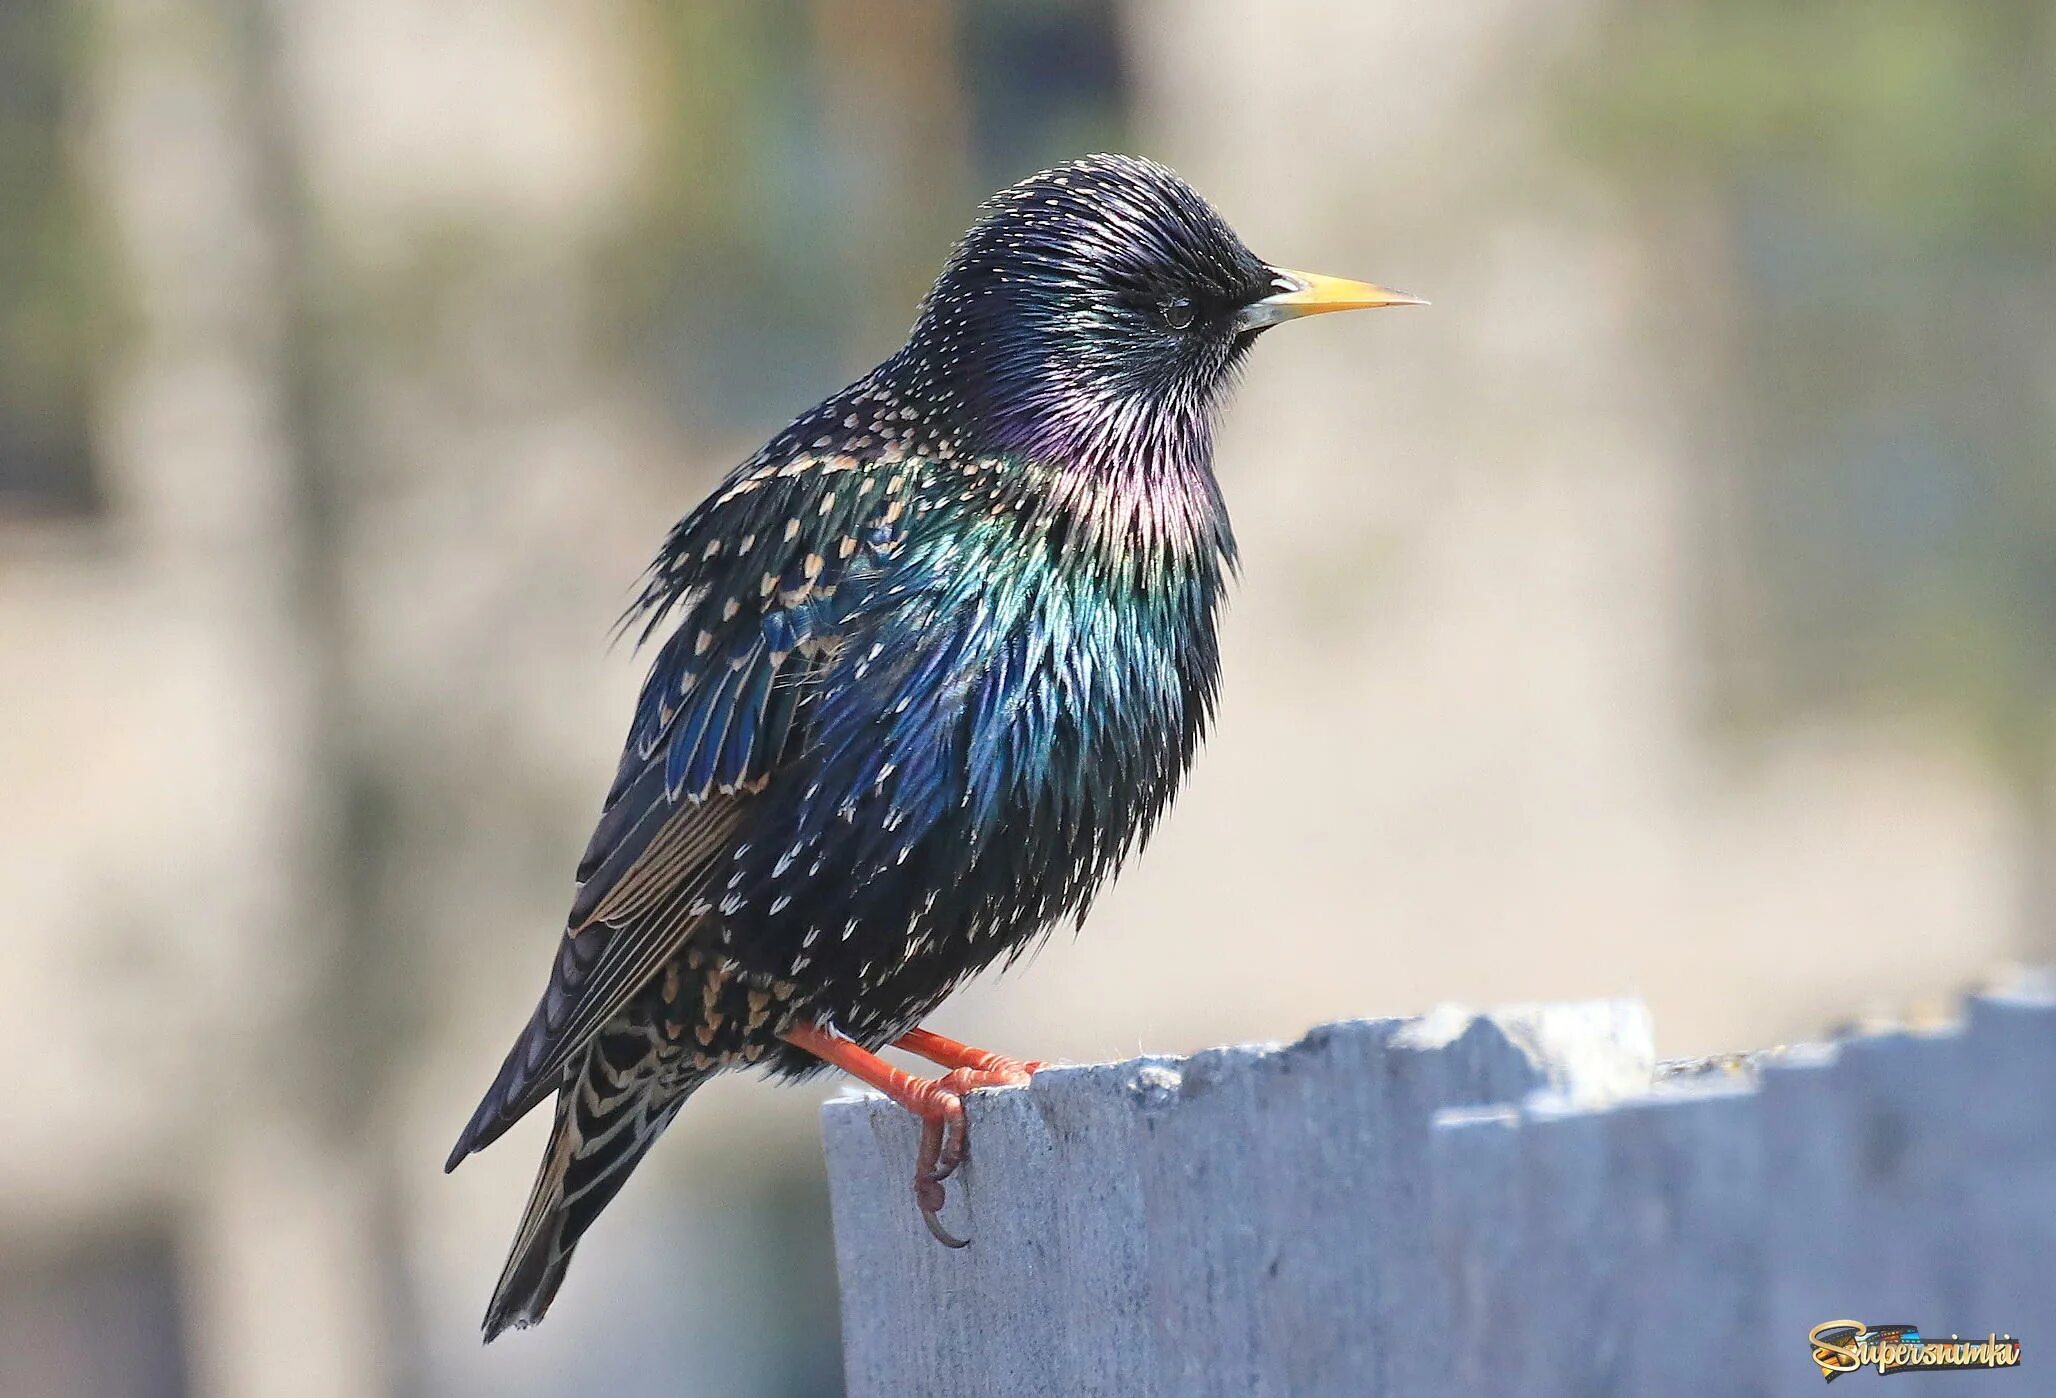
x,y
1669,611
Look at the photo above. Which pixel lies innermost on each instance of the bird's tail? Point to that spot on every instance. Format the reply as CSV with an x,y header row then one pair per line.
x,y
607,1117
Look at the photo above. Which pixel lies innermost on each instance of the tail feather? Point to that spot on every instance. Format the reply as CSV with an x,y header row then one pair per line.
x,y
608,1116
521,1084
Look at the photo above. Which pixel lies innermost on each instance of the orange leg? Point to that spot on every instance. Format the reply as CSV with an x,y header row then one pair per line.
x,y
949,1053
939,1103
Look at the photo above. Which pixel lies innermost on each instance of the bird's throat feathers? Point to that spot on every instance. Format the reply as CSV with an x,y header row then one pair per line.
x,y
1131,478
1125,478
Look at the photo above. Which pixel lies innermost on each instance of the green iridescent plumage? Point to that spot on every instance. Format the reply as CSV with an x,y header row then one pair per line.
x,y
938,657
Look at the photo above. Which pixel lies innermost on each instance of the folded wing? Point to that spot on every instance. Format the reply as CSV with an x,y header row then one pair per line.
x,y
751,577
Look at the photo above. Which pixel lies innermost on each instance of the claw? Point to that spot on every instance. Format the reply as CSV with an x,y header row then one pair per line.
x,y
946,1136
943,1146
939,1103
928,1197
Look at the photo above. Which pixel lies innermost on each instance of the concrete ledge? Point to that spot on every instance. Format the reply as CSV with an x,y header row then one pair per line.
x,y
1517,1202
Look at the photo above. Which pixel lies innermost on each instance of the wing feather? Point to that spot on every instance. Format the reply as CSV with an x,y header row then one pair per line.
x,y
725,703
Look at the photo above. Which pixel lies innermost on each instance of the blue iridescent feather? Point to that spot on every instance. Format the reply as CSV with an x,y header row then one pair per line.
x,y
934,662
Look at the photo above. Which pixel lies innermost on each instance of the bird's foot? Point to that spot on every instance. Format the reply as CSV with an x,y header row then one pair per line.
x,y
946,1131
945,1140
946,1136
938,1102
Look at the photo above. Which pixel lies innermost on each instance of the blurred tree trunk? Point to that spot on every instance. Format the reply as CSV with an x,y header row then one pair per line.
x,y
326,1153
892,97
2035,802
290,1253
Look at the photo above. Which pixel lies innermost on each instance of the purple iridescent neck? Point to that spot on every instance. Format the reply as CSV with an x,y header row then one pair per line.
x,y
1132,466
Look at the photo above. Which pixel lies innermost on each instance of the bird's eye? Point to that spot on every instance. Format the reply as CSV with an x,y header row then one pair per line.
x,y
1178,312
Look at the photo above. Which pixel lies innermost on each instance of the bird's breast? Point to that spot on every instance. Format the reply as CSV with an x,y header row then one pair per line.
x,y
1085,720
1004,718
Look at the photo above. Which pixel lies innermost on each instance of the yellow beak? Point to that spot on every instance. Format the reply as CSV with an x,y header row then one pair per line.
x,y
1311,294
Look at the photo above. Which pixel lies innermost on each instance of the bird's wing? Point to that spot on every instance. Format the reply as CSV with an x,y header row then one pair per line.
x,y
751,577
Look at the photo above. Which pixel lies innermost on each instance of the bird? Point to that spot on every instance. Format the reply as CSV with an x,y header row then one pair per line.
x,y
933,664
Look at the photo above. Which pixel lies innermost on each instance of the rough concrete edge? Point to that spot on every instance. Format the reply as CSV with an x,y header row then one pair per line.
x,y
1589,1052
1596,1051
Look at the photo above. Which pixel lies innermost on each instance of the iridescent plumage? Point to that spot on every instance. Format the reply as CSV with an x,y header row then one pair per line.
x,y
938,657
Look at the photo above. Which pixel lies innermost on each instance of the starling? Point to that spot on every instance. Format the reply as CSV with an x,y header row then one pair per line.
x,y
937,657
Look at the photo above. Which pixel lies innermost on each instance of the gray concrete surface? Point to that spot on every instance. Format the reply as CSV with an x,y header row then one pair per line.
x,y
1512,1202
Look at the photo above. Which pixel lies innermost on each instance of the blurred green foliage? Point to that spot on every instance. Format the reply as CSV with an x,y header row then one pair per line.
x,y
53,281
812,160
1883,177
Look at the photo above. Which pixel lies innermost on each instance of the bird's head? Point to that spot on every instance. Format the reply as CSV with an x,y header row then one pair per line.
x,y
1103,291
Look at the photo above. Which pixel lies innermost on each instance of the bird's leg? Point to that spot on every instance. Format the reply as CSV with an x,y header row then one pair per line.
x,y
1006,1072
939,1103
